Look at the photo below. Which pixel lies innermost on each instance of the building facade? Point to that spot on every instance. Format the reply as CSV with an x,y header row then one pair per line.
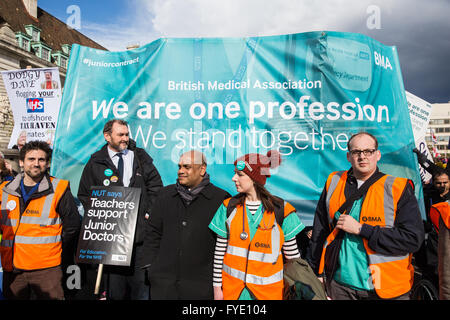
x,y
439,126
31,37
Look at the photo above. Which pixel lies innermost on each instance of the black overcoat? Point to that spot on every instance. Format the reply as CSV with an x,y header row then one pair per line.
x,y
179,246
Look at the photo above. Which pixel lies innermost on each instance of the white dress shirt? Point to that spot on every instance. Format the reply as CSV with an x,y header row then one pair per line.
x,y
128,157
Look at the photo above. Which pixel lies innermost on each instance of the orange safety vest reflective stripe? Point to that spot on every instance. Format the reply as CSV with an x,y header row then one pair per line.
x,y
32,240
440,210
257,264
391,276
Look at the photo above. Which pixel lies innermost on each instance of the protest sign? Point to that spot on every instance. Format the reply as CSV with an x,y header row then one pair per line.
x,y
303,94
108,227
420,113
35,98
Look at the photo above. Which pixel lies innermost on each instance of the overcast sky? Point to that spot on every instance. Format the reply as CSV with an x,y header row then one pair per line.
x,y
419,29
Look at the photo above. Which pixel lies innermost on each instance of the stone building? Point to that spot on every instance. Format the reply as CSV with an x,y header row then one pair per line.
x,y
31,37
439,126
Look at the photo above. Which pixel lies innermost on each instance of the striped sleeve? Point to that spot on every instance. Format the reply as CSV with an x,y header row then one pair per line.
x,y
290,249
219,253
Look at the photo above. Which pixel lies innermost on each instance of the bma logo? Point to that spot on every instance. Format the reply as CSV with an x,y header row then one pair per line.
x,y
35,105
29,211
382,61
371,219
262,245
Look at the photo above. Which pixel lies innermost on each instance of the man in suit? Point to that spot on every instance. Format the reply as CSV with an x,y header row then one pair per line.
x,y
120,163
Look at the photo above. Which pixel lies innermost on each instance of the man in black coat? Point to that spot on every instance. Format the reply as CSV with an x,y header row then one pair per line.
x,y
427,257
137,171
435,192
179,246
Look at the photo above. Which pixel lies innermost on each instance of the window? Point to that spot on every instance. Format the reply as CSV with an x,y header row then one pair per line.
x,y
34,32
23,40
63,62
35,35
45,54
25,44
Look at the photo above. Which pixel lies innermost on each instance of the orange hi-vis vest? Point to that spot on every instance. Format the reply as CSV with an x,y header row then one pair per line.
x,y
440,210
31,240
255,264
391,276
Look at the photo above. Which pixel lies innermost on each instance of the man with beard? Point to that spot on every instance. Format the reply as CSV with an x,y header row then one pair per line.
x,y
39,223
120,163
441,185
179,246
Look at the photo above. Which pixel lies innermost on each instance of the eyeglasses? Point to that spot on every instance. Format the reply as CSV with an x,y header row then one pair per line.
x,y
366,152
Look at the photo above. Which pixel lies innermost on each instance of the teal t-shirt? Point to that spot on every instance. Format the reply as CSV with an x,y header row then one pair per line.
x,y
291,227
353,270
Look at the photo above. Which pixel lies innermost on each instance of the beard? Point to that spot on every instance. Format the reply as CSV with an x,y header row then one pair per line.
x,y
121,146
441,190
35,173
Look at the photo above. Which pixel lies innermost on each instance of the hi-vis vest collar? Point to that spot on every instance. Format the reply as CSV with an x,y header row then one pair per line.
x,y
392,276
13,187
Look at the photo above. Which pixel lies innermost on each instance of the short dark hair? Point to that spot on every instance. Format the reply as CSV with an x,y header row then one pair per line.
x,y
440,172
108,125
362,133
35,145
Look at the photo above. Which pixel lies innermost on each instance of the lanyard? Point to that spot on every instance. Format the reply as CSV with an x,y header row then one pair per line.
x,y
26,195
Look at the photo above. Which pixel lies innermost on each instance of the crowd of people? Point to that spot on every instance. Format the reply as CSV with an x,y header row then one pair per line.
x,y
193,240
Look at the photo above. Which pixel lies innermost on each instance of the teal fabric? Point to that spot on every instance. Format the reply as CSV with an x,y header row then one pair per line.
x,y
179,94
353,270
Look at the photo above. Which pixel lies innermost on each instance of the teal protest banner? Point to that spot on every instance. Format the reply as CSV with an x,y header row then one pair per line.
x,y
302,94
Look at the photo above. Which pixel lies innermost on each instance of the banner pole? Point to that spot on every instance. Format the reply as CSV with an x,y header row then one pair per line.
x,y
99,278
